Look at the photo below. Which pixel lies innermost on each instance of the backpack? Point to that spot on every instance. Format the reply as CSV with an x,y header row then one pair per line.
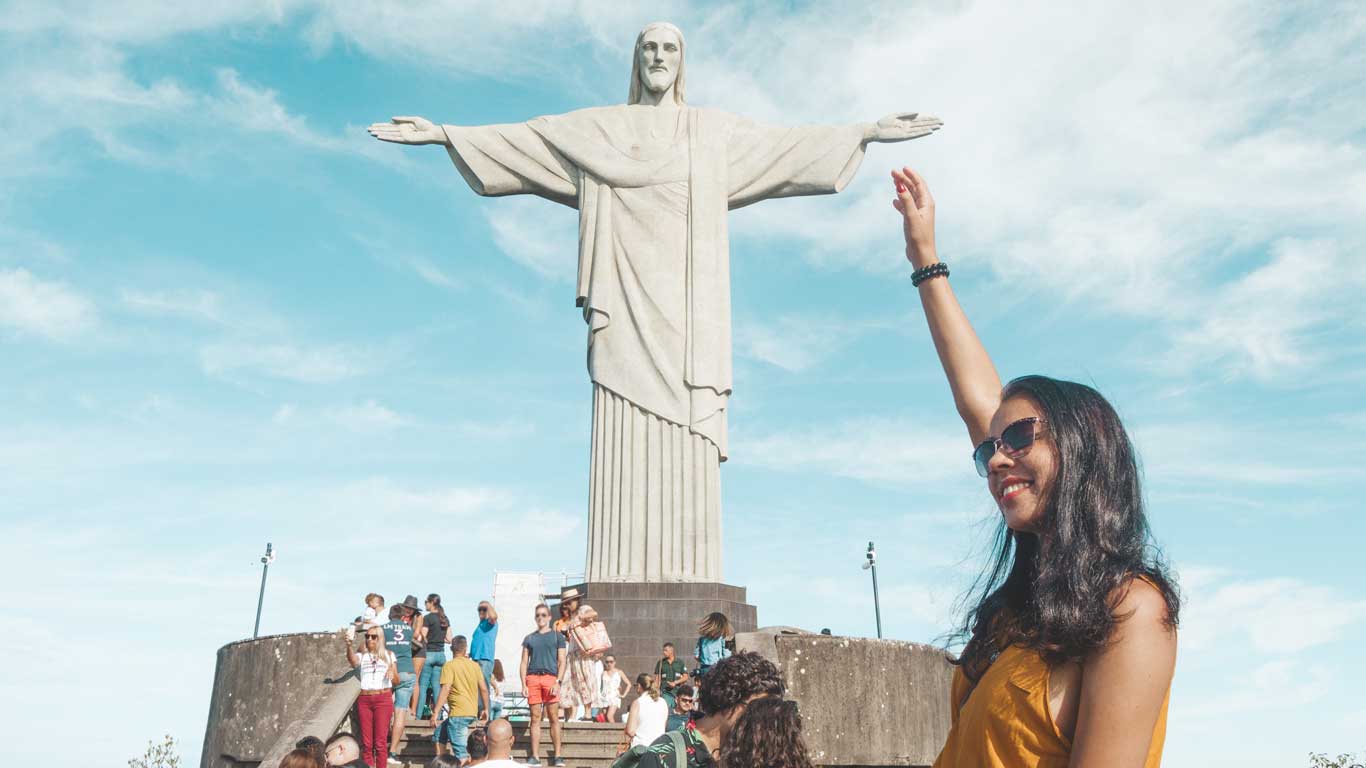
x,y
631,757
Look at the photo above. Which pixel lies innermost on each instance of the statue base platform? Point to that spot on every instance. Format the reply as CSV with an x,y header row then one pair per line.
x,y
641,617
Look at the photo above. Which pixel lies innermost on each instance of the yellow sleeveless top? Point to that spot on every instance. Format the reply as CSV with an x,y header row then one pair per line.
x,y
1005,723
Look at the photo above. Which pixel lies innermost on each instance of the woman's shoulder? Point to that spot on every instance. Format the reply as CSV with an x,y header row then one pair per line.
x,y
1142,601
1143,621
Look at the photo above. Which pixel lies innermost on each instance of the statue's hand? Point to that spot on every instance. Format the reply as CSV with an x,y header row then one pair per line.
x,y
903,126
408,130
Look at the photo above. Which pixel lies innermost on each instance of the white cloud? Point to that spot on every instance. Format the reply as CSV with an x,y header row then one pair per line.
x,y
368,416
890,450
200,306
1265,453
797,342
1282,684
283,361
1260,322
1273,615
535,526
1123,160
50,309
392,251
538,234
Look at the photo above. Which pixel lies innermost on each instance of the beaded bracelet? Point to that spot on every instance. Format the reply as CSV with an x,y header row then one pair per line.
x,y
937,269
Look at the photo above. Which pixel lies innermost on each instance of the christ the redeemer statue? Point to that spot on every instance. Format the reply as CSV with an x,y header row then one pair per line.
x,y
652,181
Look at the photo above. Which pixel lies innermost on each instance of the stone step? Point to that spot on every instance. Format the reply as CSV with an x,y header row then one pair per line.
x,y
584,745
610,734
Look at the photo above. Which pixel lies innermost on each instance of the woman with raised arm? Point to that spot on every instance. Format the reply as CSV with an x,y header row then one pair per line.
x,y
1071,632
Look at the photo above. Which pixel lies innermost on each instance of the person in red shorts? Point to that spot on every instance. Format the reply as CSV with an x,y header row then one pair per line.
x,y
542,664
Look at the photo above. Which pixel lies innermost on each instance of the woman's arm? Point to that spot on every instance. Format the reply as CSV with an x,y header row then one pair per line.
x,y
393,670
1125,684
633,719
972,377
351,654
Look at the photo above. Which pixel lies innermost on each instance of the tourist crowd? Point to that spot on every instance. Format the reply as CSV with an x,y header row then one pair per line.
x,y
1070,635
411,666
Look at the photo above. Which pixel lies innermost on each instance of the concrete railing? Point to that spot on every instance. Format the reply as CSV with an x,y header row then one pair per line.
x,y
864,702
272,691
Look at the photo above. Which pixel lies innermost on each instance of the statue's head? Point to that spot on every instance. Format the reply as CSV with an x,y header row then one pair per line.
x,y
658,62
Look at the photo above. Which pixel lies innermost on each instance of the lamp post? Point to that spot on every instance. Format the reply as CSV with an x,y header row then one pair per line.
x,y
871,565
266,560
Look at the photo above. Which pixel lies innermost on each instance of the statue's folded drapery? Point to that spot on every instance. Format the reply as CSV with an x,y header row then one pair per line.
x,y
654,279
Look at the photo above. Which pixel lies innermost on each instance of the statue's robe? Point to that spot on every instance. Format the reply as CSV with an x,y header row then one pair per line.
x,y
654,285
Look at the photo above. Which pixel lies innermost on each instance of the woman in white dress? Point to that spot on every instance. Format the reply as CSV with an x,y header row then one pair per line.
x,y
649,712
612,686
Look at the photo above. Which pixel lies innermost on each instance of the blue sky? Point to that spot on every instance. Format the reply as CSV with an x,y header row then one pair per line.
x,y
228,316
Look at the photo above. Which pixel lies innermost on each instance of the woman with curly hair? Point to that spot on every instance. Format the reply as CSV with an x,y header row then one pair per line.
x,y
1071,634
732,684
768,734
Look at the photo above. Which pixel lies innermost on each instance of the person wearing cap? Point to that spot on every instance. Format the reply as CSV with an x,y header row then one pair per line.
x,y
585,667
484,639
568,606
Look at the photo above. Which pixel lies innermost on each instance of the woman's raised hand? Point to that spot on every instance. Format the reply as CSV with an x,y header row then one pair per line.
x,y
408,130
916,205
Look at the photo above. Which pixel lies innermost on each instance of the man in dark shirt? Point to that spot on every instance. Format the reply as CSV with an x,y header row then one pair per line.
x,y
731,684
672,673
543,671
682,709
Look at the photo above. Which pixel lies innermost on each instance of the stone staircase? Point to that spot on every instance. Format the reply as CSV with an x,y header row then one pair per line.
x,y
586,745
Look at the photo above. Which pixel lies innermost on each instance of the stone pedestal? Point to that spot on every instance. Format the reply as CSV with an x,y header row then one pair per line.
x,y
641,617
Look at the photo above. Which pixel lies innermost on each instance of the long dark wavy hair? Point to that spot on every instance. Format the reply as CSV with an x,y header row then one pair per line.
x,y
1056,593
768,734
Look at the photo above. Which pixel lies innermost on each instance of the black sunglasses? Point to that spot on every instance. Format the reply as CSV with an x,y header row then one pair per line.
x,y
1015,441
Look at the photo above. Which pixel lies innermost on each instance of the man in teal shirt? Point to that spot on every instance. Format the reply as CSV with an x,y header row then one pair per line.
x,y
483,641
398,639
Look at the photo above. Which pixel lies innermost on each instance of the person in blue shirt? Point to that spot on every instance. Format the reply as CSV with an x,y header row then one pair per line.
x,y
483,640
713,633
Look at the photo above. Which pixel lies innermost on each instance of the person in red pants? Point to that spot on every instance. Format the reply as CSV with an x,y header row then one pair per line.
x,y
378,675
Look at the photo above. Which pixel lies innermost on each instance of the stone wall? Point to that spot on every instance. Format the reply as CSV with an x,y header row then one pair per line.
x,y
641,617
274,689
864,702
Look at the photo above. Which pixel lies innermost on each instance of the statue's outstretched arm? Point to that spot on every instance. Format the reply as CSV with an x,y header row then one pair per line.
x,y
408,130
901,126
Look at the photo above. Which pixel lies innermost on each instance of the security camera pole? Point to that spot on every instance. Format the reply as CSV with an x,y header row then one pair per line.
x,y
871,565
269,558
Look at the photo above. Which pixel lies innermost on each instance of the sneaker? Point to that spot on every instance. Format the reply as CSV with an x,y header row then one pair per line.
x,y
395,762
532,761
557,762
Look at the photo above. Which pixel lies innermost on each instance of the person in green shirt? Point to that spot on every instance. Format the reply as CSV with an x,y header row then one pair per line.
x,y
731,685
672,672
